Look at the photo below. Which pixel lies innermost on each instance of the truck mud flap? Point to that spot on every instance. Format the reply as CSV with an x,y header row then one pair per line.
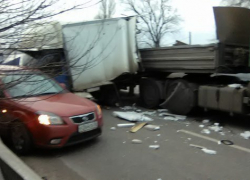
x,y
183,99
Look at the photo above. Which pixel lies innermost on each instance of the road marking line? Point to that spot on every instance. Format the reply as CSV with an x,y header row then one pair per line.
x,y
214,140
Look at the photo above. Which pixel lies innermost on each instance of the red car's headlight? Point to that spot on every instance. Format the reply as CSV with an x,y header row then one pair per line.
x,y
47,118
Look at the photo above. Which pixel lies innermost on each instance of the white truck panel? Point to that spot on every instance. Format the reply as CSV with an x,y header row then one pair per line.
x,y
100,51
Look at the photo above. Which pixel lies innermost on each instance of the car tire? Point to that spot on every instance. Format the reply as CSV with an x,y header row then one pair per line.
x,y
20,138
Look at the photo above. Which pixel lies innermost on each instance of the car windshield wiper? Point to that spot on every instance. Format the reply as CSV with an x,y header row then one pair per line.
x,y
47,93
23,96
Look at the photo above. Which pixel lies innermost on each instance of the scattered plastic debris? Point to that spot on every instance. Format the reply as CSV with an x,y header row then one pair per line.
x,y
126,125
245,135
158,135
155,141
205,121
124,142
235,86
132,116
152,127
127,108
136,141
196,146
159,179
163,114
170,118
209,151
154,146
179,117
222,133
150,113
113,128
189,139
162,110
201,126
219,142
205,131
216,127
137,127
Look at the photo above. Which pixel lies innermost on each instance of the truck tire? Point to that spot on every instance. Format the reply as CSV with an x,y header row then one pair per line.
x,y
107,95
150,93
182,97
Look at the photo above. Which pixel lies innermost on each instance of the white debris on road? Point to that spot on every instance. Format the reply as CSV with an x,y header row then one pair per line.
x,y
201,126
158,135
205,131
155,142
222,133
152,127
162,110
245,135
205,121
136,141
177,117
170,118
126,125
216,127
163,114
154,146
150,113
127,108
132,116
235,86
209,151
113,128
189,139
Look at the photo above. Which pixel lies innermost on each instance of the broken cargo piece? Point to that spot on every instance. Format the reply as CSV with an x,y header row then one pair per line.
x,y
137,127
132,116
152,127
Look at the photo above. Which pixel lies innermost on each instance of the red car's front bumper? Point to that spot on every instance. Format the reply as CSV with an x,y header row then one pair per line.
x,y
68,134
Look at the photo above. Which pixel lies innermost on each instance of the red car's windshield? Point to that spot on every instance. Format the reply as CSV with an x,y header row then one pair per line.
x,y
26,85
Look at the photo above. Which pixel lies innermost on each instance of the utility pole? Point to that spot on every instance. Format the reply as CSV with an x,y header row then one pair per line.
x,y
190,38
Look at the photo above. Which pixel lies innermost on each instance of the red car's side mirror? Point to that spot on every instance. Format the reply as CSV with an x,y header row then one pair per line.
x,y
63,85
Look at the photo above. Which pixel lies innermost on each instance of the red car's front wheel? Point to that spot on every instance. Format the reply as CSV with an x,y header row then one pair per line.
x,y
20,138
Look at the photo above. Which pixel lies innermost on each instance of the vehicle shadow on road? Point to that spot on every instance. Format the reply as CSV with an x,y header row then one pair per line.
x,y
59,152
225,120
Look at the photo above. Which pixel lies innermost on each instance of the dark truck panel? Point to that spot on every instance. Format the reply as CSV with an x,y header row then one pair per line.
x,y
195,58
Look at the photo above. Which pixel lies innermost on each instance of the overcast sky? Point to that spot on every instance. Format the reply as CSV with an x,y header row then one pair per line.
x,y
197,18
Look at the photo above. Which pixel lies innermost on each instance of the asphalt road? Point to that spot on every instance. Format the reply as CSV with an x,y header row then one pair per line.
x,y
113,157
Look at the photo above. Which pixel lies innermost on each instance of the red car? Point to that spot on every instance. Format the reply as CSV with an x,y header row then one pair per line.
x,y
37,111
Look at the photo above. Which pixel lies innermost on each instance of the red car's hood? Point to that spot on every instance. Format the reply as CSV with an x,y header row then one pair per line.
x,y
65,104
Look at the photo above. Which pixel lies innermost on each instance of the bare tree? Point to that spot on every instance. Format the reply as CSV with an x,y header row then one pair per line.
x,y
157,18
237,3
107,9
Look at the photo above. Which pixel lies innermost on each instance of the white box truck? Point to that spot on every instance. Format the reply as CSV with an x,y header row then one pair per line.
x,y
87,56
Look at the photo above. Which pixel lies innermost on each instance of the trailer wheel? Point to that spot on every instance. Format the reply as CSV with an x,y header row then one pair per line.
x,y
107,95
181,97
150,93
